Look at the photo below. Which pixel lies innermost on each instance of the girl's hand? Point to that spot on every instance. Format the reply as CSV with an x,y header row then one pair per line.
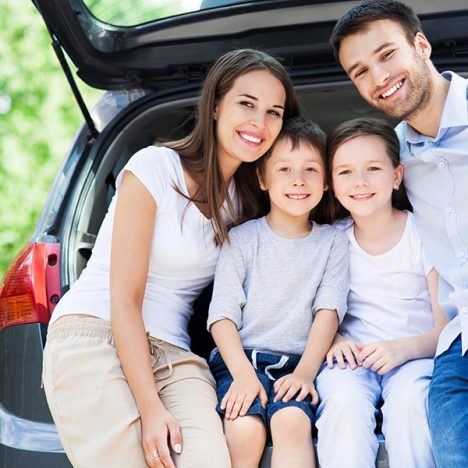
x,y
241,394
159,428
383,356
293,384
341,349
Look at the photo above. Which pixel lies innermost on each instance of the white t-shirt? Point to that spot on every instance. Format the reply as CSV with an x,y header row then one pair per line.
x,y
388,297
183,255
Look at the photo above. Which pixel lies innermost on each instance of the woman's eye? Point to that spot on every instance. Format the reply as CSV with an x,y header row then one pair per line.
x,y
275,113
246,103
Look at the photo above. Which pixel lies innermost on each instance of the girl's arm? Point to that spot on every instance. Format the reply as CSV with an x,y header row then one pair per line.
x,y
131,247
383,356
245,386
320,338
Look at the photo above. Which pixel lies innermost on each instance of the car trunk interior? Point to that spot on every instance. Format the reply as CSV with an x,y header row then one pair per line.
x,y
327,104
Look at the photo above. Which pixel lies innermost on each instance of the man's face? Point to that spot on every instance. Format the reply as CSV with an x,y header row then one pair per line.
x,y
391,74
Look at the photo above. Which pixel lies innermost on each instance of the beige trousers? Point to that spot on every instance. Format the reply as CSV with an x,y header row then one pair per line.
x,y
95,411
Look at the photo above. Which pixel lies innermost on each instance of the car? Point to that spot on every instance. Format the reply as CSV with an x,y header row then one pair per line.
x,y
151,62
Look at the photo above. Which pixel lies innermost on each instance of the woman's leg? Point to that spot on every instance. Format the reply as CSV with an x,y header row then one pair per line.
x,y
187,389
246,438
405,426
291,432
346,417
89,398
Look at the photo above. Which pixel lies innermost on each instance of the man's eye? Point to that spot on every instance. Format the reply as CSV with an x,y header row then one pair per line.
x,y
387,54
360,72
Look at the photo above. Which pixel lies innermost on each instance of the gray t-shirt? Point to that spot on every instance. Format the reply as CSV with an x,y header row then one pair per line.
x,y
271,286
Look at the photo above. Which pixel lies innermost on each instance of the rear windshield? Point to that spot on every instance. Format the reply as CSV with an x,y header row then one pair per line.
x,y
135,12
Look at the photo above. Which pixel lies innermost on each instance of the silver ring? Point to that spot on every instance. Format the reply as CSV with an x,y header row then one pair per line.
x,y
154,454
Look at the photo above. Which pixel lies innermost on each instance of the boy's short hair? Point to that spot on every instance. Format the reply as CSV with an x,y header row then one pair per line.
x,y
297,130
361,16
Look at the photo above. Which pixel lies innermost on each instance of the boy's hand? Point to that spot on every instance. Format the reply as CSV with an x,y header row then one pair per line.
x,y
341,349
294,384
382,356
241,394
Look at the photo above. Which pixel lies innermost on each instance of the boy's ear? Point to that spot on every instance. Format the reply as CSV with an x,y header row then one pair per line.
x,y
260,180
325,187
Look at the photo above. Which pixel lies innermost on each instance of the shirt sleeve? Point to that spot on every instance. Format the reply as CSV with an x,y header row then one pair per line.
x,y
228,292
154,168
333,290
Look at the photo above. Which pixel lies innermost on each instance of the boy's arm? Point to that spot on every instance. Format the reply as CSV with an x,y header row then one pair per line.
x,y
382,356
245,386
320,338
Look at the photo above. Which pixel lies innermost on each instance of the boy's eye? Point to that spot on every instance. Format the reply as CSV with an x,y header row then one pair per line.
x,y
284,169
344,172
374,168
311,169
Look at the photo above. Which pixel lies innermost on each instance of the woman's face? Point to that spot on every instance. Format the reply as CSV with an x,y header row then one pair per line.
x,y
248,119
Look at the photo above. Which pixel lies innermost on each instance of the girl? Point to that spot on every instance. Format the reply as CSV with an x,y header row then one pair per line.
x,y
387,340
280,290
115,403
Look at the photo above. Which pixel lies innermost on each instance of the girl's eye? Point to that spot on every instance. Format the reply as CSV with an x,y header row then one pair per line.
x,y
374,168
284,169
344,172
311,169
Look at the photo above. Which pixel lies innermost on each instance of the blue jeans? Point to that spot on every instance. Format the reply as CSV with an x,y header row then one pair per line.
x,y
268,367
448,408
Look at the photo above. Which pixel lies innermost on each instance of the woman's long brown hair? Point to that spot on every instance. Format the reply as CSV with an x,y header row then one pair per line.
x,y
198,151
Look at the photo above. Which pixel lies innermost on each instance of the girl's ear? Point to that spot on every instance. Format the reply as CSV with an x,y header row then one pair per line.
x,y
398,176
260,180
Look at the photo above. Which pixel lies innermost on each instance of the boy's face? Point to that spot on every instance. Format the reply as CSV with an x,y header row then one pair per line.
x,y
294,179
390,74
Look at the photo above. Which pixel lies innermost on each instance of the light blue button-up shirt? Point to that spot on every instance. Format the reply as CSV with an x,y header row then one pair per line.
x,y
436,178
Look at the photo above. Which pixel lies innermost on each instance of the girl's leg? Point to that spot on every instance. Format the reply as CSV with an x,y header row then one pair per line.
x,y
346,417
405,425
88,395
246,438
291,432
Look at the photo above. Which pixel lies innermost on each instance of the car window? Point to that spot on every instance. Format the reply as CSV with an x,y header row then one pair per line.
x,y
135,12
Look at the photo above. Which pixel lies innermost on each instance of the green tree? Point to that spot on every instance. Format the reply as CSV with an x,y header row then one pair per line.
x,y
36,131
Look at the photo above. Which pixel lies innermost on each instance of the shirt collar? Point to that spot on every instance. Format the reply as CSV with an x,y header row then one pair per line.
x,y
455,111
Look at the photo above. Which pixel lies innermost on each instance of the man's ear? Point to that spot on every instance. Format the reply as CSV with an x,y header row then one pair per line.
x,y
422,46
260,180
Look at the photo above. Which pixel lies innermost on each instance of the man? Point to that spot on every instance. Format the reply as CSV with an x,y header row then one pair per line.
x,y
382,48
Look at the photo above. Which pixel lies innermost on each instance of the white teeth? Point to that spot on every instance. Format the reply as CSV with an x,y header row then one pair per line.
x,y
250,138
392,90
297,197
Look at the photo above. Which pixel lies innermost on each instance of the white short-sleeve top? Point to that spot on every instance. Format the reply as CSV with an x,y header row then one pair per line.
x,y
389,297
183,254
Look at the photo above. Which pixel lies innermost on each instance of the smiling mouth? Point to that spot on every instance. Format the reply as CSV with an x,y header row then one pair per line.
x,y
392,90
362,197
297,196
247,137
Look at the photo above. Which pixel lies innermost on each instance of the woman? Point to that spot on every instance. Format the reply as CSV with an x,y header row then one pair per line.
x,y
129,392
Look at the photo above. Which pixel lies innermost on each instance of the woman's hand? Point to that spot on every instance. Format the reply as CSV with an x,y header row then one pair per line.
x,y
341,349
290,385
241,394
159,429
383,356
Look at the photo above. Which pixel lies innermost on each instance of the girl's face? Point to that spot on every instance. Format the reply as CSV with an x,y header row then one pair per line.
x,y
248,119
364,177
294,179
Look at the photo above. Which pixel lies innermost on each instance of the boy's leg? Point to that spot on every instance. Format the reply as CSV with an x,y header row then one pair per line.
x,y
404,411
346,417
246,438
291,433
448,403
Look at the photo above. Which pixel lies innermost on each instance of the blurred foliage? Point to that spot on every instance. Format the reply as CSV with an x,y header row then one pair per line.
x,y
37,129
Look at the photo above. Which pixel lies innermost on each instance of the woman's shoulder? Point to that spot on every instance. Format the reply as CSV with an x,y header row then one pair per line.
x,y
158,155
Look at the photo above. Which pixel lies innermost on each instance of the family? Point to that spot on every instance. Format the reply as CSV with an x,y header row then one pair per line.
x,y
339,264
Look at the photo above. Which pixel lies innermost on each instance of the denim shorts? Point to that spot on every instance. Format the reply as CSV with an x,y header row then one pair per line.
x,y
268,367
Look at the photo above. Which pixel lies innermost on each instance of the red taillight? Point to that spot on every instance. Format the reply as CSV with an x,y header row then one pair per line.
x,y
31,286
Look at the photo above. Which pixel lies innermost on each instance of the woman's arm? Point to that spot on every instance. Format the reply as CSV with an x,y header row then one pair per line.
x,y
134,219
383,356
